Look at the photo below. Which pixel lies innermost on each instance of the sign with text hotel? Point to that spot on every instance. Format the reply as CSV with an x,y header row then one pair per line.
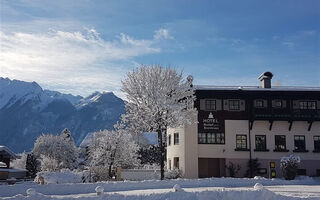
x,y
210,123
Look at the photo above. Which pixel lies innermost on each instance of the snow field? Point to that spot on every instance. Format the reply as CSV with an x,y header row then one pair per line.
x,y
173,194
215,188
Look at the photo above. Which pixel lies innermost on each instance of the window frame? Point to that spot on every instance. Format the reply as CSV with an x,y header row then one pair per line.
x,y
219,138
243,137
257,148
276,146
232,106
275,103
316,143
210,104
308,105
176,139
296,147
262,103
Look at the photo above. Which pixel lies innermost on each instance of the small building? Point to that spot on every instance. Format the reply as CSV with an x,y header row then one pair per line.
x,y
235,125
6,155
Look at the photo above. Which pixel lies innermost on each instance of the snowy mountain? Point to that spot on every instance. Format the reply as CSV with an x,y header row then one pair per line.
x,y
27,111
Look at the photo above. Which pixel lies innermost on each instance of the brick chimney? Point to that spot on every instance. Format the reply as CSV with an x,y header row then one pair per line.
x,y
265,79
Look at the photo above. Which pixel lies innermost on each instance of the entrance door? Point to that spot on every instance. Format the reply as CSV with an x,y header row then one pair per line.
x,y
211,167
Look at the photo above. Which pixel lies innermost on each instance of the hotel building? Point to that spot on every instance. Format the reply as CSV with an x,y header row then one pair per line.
x,y
238,124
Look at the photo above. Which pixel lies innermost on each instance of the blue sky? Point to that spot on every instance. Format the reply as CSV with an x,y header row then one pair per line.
x,y
83,46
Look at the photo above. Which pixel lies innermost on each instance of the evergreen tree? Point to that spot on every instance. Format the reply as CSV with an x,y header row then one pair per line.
x,y
32,165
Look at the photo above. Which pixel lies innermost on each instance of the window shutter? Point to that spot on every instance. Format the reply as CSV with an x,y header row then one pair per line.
x,y
265,103
273,103
202,104
226,104
242,105
218,104
284,103
295,104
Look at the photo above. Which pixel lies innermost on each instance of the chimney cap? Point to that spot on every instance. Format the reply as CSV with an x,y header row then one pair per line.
x,y
265,75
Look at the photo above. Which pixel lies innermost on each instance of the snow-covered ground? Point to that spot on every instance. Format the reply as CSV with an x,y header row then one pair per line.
x,y
212,188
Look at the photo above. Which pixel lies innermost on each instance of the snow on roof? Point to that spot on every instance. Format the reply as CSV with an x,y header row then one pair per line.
x,y
256,88
6,149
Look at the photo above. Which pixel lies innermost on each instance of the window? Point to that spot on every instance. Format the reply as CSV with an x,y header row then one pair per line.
x,y
316,140
307,105
169,140
277,103
210,104
261,144
259,103
176,138
169,164
280,142
211,138
219,138
176,162
241,141
299,143
234,104
202,138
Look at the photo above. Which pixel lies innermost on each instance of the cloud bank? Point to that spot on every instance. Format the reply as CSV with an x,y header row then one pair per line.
x,y
75,62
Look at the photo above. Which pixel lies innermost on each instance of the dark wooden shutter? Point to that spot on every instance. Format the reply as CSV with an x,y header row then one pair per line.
x,y
295,104
226,104
202,104
242,105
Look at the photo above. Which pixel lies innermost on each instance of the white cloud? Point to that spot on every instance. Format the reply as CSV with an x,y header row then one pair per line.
x,y
76,62
162,34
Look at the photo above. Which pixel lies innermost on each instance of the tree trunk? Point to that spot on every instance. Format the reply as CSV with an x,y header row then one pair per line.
x,y
162,154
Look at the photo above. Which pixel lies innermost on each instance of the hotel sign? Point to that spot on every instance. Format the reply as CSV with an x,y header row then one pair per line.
x,y
211,123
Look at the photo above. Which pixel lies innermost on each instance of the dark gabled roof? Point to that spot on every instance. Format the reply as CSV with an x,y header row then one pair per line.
x,y
7,152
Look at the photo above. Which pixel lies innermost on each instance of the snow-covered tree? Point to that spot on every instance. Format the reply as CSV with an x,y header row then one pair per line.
x,y
66,134
289,166
112,149
20,163
58,148
49,164
157,98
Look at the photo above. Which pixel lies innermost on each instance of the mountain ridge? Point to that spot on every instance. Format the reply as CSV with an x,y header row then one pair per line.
x,y
27,111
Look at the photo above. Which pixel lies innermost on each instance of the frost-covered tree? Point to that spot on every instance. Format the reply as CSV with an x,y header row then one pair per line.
x,y
289,166
58,148
20,162
66,134
113,148
157,98
49,164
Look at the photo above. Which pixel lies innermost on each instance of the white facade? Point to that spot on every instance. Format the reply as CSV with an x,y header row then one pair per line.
x,y
189,151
